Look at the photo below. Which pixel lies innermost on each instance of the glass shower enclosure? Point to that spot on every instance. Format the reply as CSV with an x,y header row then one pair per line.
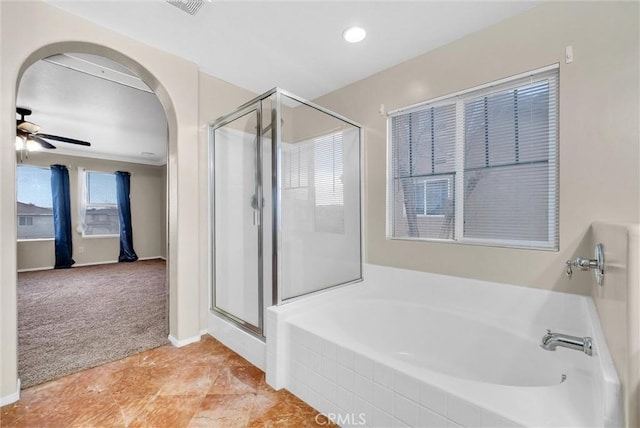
x,y
285,205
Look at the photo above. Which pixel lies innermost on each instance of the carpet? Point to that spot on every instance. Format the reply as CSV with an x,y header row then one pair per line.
x,y
73,319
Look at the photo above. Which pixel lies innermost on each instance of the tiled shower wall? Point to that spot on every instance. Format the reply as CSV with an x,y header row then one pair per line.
x,y
358,391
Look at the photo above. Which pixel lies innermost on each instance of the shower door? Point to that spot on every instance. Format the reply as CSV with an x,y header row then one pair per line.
x,y
238,202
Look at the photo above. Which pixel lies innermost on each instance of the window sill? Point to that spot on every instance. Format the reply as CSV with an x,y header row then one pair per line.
x,y
35,239
482,243
99,236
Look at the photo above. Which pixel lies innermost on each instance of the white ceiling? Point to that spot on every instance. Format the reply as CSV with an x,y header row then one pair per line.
x,y
296,45
120,122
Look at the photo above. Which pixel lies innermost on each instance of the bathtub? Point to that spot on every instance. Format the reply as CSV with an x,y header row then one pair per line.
x,y
407,348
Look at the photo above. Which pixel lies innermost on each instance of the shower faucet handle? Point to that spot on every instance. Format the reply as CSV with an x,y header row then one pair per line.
x,y
584,263
569,270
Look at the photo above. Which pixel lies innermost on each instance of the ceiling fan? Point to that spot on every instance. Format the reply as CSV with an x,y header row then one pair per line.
x,y
29,137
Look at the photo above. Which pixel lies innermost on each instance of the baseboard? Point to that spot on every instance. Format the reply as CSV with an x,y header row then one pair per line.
x,y
11,398
180,343
204,331
89,264
108,262
35,269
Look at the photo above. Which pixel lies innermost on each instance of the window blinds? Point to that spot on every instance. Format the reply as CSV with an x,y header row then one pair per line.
x,y
497,146
424,164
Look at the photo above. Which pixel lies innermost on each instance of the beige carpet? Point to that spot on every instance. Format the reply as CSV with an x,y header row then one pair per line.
x,y
74,319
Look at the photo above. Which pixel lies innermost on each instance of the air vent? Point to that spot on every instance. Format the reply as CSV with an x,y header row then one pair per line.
x,y
190,6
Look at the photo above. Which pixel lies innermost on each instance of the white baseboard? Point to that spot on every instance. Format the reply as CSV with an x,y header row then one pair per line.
x,y
89,264
35,269
184,342
11,398
204,331
108,262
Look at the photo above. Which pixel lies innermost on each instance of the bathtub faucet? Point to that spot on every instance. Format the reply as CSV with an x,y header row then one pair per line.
x,y
552,340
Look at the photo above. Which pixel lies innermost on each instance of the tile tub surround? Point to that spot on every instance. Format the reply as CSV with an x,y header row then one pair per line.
x,y
204,384
316,357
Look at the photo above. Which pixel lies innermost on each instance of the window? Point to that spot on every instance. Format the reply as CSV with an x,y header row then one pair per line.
x,y
312,172
432,197
295,174
479,166
24,220
34,207
329,188
100,206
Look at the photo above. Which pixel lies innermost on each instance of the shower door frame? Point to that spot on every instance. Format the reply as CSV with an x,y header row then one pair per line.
x,y
276,132
245,109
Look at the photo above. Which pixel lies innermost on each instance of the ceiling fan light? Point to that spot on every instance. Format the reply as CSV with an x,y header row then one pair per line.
x,y
32,146
20,143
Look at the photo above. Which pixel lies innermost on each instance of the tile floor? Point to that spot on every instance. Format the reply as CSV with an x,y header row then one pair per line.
x,y
204,384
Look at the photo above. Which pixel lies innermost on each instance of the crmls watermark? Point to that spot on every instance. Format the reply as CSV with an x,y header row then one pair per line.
x,y
350,419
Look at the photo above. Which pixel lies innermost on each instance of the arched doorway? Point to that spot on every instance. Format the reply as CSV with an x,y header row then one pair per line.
x,y
182,126
100,311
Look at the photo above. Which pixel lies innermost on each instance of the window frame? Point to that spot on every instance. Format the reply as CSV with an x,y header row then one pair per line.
x,y
431,180
28,220
84,205
18,216
458,99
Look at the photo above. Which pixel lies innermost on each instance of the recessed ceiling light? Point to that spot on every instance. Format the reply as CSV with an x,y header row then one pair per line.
x,y
354,34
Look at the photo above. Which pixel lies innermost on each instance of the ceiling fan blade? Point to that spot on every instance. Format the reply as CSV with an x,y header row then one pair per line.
x,y
43,143
64,139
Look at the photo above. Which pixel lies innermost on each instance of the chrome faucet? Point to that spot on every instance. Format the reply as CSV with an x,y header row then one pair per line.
x,y
583,263
550,341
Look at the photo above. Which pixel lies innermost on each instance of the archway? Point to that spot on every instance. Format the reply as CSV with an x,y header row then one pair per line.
x,y
100,311
177,329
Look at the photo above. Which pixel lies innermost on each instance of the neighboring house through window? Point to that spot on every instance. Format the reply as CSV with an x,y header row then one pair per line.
x,y
34,207
99,205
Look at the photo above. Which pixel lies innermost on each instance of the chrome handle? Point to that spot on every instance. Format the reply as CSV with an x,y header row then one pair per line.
x,y
569,270
583,263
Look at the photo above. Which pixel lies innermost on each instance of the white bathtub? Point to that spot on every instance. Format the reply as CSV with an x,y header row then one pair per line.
x,y
406,348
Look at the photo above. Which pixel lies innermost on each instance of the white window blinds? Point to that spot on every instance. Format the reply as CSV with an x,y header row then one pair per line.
x,y
423,172
478,166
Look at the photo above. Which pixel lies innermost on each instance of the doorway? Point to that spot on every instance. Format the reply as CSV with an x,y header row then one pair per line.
x,y
76,83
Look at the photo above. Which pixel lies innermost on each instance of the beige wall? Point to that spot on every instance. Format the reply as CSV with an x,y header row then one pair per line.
x,y
599,139
147,214
175,82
